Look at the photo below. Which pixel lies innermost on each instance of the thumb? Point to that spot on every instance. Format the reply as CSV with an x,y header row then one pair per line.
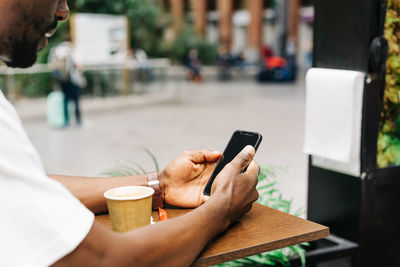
x,y
243,159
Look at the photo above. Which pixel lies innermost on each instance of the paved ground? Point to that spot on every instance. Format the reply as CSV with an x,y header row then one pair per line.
x,y
201,116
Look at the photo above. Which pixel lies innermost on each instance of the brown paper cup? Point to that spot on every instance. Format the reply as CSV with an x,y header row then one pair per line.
x,y
129,207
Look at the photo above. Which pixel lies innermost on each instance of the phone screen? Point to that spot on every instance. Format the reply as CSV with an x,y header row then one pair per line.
x,y
238,141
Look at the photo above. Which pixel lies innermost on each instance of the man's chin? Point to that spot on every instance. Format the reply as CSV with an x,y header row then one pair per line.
x,y
22,61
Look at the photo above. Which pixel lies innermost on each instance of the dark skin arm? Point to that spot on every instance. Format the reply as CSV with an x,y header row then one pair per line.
x,y
90,190
103,247
178,241
182,182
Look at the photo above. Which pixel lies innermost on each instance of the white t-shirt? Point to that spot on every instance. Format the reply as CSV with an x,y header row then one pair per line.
x,y
40,220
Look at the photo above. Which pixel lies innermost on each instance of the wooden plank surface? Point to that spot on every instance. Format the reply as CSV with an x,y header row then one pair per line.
x,y
261,229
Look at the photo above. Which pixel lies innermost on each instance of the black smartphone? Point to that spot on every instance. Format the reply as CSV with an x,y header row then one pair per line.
x,y
238,141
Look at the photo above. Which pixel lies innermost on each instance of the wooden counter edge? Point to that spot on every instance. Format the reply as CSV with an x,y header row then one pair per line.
x,y
245,252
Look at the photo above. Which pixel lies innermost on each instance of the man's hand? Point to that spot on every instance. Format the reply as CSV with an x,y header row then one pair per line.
x,y
237,190
184,179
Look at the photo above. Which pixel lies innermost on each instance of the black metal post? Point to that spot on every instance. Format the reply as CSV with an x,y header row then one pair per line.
x,y
362,209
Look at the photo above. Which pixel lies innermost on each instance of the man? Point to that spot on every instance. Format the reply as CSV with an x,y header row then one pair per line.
x,y
43,224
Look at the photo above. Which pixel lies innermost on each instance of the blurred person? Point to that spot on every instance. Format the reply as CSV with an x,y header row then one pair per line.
x,y
240,61
276,68
49,219
275,62
266,52
140,56
225,62
290,49
143,65
291,57
67,72
194,66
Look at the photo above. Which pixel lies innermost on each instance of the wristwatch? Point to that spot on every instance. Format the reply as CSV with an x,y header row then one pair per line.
x,y
153,182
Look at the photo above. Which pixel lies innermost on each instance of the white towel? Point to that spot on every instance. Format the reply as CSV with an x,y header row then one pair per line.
x,y
333,118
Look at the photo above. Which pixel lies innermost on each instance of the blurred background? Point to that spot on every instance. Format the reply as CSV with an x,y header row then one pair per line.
x,y
169,76
122,78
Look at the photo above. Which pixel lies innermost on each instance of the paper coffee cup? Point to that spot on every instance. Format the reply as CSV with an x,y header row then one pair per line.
x,y
129,207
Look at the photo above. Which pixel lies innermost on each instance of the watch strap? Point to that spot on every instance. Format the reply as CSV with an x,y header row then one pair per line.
x,y
153,182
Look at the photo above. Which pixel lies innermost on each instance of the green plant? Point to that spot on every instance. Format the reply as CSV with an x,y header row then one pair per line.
x,y
127,167
389,130
270,196
33,85
188,39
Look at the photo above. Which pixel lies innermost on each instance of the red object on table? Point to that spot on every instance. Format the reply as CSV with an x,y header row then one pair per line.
x,y
162,214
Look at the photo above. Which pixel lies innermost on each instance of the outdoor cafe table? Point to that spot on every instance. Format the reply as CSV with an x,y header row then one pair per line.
x,y
261,229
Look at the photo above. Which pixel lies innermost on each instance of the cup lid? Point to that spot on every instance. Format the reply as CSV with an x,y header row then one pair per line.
x,y
129,193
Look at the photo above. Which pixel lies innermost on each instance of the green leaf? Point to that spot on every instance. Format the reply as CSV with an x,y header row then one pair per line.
x,y
153,158
266,186
137,169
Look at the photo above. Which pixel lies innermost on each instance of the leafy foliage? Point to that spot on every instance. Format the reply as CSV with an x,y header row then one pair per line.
x,y
127,167
188,39
34,85
389,136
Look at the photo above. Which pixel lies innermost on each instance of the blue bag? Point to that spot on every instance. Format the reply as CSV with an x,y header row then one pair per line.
x,y
55,109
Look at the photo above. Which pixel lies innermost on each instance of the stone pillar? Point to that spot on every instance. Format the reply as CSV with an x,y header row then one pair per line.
x,y
294,6
255,28
199,8
177,14
225,10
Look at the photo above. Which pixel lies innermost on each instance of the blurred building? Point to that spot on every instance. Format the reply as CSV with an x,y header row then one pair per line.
x,y
247,25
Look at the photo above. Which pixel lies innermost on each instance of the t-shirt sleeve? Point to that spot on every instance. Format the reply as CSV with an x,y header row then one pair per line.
x,y
40,221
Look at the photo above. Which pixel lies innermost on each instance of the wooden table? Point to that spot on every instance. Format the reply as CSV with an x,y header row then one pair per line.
x,y
261,229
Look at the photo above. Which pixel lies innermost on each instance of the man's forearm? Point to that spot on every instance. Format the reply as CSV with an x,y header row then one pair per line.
x,y
90,190
176,242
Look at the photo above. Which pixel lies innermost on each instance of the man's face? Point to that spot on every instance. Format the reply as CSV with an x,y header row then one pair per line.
x,y
25,26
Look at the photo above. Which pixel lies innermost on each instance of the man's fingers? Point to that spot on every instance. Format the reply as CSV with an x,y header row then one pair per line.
x,y
212,156
253,170
204,155
243,159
